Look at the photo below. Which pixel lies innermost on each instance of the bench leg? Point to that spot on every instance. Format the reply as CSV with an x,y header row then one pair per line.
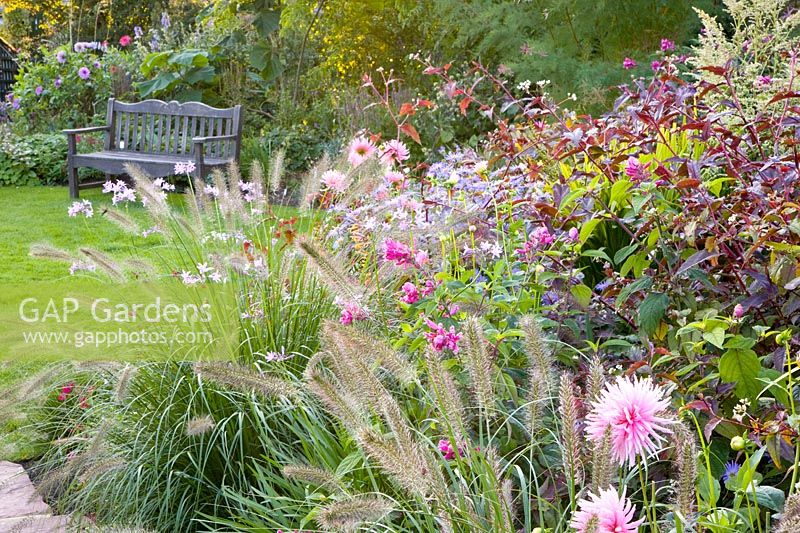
x,y
72,175
199,164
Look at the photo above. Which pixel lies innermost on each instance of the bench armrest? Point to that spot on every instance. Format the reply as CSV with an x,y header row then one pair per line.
x,y
90,129
203,140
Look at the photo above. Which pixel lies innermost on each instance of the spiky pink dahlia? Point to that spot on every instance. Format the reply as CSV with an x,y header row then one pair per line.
x,y
632,408
614,513
393,152
361,149
334,180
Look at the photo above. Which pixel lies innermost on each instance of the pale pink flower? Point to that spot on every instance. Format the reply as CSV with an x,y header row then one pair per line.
x,y
410,293
361,149
421,258
84,206
764,81
573,234
614,513
393,152
184,167
334,180
394,178
738,311
633,408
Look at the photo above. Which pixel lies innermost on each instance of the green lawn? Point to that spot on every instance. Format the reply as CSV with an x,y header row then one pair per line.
x,y
39,214
31,215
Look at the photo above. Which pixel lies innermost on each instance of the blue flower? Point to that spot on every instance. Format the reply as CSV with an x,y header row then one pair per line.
x,y
731,469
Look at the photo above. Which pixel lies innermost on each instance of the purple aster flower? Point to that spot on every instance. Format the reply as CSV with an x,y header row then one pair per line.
x,y
731,469
57,82
550,298
84,73
39,90
61,56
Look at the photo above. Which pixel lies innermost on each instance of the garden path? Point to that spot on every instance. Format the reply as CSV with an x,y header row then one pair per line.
x,y
22,510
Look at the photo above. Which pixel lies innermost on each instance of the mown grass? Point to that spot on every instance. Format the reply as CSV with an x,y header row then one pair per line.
x,y
30,215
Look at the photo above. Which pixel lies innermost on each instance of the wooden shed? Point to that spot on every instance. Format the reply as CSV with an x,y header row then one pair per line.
x,y
8,67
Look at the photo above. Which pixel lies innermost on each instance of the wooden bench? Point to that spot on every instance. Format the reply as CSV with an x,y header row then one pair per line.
x,y
156,135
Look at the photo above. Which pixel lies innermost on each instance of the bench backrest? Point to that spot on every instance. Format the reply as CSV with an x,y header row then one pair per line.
x,y
158,127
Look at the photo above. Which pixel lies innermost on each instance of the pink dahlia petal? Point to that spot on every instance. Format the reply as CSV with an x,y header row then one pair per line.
x,y
631,408
614,513
361,149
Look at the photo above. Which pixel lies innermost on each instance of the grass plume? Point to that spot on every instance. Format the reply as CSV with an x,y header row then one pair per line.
x,y
245,379
353,513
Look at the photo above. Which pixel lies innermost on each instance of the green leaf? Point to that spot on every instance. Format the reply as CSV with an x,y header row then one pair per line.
x,y
267,22
741,365
709,489
597,253
619,192
588,228
154,61
582,294
159,83
716,337
197,75
651,311
770,497
260,55
349,463
641,284
622,253
190,58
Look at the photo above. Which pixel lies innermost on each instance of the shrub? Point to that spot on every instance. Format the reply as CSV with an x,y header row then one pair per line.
x,y
65,88
32,159
753,52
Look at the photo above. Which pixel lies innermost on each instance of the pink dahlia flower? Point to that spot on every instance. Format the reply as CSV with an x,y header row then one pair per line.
x,y
614,513
393,152
334,180
361,149
632,408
